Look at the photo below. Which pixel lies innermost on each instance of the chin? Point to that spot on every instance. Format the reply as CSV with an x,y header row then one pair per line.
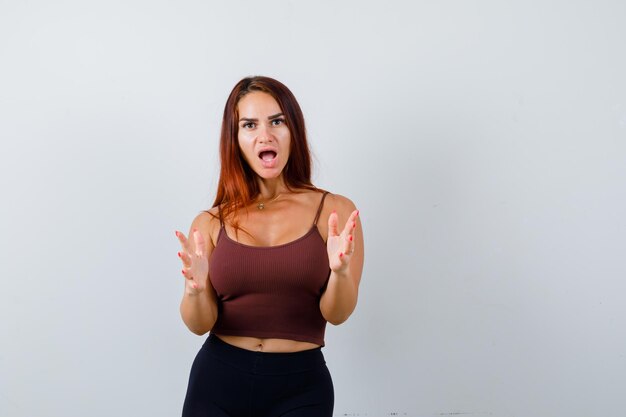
x,y
271,177
264,174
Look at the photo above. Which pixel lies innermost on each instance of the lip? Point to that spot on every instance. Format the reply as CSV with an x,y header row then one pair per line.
x,y
272,163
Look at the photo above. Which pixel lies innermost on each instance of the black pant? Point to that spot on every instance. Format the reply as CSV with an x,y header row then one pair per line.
x,y
228,381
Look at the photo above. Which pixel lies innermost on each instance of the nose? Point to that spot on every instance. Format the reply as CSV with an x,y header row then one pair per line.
x,y
264,133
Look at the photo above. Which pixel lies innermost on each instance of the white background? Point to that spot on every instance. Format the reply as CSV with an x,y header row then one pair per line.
x,y
484,142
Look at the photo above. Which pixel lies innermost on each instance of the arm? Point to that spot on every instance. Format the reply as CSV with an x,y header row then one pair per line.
x,y
198,307
345,255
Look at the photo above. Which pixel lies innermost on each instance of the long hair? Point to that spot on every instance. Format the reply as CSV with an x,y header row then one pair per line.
x,y
238,186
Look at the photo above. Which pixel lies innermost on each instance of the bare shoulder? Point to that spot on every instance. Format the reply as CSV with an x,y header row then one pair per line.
x,y
207,222
335,202
342,204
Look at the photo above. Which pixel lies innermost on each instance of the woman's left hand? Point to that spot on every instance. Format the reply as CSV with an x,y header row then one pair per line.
x,y
340,246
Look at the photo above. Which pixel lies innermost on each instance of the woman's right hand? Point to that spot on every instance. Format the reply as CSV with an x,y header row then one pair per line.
x,y
195,262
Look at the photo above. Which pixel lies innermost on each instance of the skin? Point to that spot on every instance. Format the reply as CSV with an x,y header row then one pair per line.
x,y
261,128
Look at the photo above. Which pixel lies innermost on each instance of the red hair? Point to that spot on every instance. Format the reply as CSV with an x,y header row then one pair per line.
x,y
238,186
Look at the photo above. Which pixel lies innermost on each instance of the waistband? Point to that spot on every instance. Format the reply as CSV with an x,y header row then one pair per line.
x,y
263,363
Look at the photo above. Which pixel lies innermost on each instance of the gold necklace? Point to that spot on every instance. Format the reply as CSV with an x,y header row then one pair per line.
x,y
261,205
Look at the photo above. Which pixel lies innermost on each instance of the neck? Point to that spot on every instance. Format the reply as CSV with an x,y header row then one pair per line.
x,y
270,188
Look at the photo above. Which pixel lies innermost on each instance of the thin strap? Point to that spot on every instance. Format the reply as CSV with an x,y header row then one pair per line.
x,y
319,209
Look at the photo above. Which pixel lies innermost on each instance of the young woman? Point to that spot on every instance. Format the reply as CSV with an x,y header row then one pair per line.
x,y
266,268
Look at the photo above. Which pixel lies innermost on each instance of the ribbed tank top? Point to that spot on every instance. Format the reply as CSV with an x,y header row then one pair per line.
x,y
271,291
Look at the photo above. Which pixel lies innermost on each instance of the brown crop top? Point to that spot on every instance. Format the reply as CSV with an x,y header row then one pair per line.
x,y
271,291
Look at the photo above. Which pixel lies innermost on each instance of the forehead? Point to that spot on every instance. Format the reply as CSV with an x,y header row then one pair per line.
x,y
257,104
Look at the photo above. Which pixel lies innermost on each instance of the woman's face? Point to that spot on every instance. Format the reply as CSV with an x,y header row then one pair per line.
x,y
263,136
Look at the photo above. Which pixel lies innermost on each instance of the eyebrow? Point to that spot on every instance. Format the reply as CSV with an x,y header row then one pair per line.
x,y
246,119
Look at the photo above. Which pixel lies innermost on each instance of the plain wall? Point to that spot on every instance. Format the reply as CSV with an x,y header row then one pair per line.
x,y
483,141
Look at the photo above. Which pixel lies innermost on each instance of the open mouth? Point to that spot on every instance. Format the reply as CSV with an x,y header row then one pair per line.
x,y
267,155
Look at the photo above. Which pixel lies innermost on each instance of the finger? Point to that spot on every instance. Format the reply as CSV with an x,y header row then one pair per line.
x,y
185,258
186,273
351,223
189,280
200,243
348,245
182,239
332,224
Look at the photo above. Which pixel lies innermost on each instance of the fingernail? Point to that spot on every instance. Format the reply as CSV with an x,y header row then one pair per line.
x,y
357,212
353,224
182,271
350,238
176,233
340,255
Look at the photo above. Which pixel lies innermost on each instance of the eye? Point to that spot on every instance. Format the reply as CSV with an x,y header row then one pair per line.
x,y
278,122
248,125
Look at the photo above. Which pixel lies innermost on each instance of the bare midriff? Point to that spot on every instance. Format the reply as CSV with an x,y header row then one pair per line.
x,y
267,345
